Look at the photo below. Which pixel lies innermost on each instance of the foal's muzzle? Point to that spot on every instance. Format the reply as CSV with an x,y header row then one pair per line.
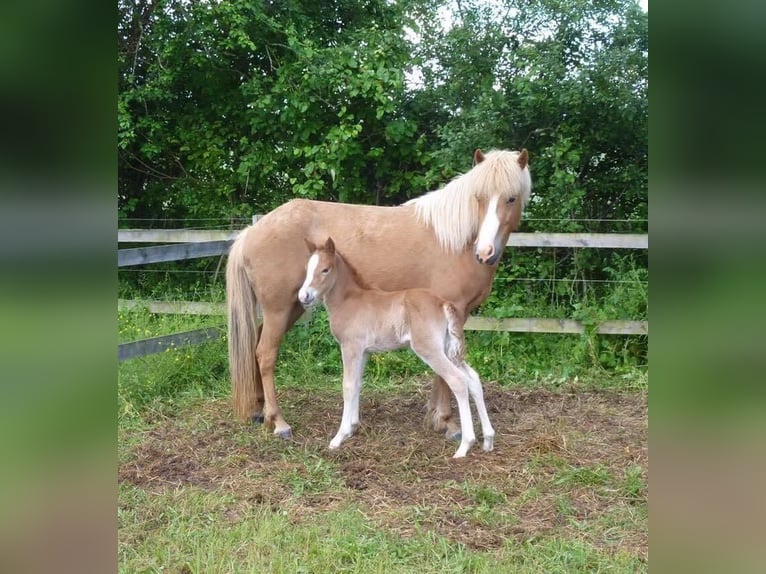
x,y
306,298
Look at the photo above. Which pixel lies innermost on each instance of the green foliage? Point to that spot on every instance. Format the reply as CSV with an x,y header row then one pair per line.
x,y
234,107
568,81
227,109
230,108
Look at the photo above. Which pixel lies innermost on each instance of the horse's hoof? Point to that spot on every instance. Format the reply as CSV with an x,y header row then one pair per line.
x,y
257,419
286,434
457,437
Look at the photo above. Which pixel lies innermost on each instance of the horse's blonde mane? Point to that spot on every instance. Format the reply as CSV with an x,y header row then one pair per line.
x,y
453,211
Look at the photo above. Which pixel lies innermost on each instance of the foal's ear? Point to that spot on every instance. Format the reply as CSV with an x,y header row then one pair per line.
x,y
523,158
478,157
310,245
329,246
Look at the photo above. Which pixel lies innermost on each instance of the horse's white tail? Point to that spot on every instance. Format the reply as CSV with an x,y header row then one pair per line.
x,y
243,332
455,339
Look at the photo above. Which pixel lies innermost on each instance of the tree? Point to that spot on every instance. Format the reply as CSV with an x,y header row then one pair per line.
x,y
230,108
568,80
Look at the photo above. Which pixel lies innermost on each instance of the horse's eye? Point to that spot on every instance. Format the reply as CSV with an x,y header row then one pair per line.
x,y
511,199
325,271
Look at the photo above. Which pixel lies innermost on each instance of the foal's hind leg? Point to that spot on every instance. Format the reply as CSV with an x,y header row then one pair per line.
x,y
275,325
439,409
458,383
477,394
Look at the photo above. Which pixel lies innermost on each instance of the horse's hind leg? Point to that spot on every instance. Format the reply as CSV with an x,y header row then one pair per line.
x,y
275,325
257,415
439,410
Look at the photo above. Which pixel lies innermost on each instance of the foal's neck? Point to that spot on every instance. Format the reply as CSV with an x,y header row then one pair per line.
x,y
346,283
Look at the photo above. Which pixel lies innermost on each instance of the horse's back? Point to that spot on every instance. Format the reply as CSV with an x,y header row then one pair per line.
x,y
346,223
387,246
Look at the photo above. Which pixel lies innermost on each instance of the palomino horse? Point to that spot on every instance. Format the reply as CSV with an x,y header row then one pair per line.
x,y
364,320
448,240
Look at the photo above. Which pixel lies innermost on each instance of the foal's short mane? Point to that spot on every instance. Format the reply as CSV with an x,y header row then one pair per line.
x,y
354,273
352,270
453,211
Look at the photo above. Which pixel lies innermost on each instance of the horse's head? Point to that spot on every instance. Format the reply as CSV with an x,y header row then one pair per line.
x,y
320,272
501,203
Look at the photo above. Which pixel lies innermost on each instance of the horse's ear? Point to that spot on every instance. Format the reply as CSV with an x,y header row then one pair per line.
x,y
329,245
523,158
478,157
310,245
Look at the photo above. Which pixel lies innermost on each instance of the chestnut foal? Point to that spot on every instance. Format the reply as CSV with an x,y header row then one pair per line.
x,y
365,320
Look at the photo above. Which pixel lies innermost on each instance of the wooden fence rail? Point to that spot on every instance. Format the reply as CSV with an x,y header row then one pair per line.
x,y
177,252
590,240
199,336
514,325
165,342
189,244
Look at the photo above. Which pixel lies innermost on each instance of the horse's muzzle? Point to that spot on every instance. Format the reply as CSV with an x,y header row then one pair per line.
x,y
489,255
491,260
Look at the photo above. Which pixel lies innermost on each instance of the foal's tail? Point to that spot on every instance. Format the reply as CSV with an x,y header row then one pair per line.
x,y
243,332
455,338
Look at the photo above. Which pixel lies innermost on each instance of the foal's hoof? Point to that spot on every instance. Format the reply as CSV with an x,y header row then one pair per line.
x,y
257,419
457,437
286,434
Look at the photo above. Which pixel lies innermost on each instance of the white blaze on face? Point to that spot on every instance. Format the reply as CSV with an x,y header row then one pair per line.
x,y
306,293
485,242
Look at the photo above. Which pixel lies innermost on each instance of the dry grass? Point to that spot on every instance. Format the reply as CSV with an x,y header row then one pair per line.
x,y
570,464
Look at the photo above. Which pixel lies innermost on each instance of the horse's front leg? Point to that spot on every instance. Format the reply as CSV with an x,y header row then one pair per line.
x,y
354,360
439,410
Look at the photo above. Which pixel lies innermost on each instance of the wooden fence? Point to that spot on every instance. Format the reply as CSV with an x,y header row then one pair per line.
x,y
184,244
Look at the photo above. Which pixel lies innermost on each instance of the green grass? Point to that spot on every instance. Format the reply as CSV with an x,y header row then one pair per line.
x,y
203,531
164,381
191,529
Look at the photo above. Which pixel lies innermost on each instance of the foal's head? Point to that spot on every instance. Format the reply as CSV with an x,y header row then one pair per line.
x,y
320,272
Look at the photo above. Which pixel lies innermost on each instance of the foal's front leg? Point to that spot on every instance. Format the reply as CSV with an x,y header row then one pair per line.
x,y
354,360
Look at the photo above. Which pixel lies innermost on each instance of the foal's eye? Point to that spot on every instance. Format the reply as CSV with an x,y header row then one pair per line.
x,y
325,271
511,199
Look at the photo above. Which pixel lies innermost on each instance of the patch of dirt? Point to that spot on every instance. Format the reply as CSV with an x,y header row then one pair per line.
x,y
539,479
